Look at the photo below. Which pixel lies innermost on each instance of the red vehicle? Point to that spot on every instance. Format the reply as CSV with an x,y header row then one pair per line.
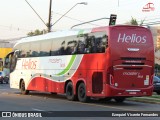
x,y
105,62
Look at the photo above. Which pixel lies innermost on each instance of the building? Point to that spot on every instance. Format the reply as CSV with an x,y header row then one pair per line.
x,y
156,37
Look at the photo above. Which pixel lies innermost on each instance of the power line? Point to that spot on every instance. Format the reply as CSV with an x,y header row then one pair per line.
x,y
141,19
152,23
75,19
14,28
36,13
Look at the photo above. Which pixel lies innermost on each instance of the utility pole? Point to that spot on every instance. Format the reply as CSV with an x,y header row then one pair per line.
x,y
49,19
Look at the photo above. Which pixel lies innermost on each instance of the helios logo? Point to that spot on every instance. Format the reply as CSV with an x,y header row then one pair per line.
x,y
133,38
148,7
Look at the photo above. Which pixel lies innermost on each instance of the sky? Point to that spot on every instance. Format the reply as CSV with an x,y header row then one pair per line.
x,y
17,18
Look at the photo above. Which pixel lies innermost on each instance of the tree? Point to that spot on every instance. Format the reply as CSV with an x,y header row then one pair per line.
x,y
157,66
134,21
37,32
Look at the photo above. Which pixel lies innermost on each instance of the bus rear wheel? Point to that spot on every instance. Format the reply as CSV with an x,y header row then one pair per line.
x,y
23,89
82,96
158,92
107,99
70,91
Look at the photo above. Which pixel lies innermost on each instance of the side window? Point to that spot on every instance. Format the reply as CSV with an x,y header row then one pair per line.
x,y
58,47
45,48
81,48
61,50
24,50
18,47
71,46
81,44
95,42
34,49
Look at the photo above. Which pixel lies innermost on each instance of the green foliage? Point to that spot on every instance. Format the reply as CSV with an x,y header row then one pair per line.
x,y
36,32
134,21
157,66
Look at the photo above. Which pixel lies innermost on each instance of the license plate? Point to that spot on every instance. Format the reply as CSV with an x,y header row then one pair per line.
x,y
132,93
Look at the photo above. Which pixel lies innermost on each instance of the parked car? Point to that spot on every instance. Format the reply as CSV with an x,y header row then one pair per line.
x,y
4,79
1,78
156,83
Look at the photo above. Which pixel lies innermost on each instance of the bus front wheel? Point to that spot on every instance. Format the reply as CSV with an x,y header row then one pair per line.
x,y
23,89
82,97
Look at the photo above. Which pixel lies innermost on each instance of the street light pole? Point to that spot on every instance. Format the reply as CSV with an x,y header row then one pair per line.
x,y
49,19
84,3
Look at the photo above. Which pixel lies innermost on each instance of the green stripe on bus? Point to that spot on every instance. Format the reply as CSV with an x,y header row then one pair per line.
x,y
68,66
80,32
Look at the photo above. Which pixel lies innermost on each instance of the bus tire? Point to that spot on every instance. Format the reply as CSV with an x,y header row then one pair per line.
x,y
70,91
107,99
23,89
53,93
82,97
158,92
119,99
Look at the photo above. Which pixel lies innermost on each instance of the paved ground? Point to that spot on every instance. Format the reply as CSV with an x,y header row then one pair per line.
x,y
12,100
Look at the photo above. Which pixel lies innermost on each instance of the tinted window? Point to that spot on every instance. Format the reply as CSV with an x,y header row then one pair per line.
x,y
71,45
24,50
34,49
58,46
92,43
45,48
81,44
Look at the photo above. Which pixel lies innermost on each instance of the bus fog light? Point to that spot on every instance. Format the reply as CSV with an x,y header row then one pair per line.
x,y
116,84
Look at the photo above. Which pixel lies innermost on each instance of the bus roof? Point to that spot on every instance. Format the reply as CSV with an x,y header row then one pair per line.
x,y
70,32
51,35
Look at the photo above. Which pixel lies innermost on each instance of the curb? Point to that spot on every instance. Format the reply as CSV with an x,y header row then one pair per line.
x,y
143,101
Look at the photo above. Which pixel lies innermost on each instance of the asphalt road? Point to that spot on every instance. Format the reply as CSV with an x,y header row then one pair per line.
x,y
12,100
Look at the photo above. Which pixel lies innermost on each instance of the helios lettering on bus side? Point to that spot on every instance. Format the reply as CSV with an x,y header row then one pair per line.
x,y
29,64
133,38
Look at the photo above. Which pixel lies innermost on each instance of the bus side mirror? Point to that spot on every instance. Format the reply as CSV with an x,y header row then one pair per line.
x,y
17,53
112,20
6,62
7,59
